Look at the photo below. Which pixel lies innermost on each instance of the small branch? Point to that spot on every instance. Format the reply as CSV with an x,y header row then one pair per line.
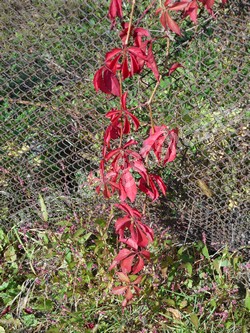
x,y
153,93
120,81
130,22
149,102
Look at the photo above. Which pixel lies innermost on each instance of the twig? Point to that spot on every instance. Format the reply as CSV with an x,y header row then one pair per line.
x,y
130,22
148,103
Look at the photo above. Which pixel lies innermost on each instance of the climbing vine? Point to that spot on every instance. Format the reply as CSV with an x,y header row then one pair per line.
x,y
124,168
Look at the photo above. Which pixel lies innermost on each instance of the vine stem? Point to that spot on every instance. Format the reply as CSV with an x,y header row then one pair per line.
x,y
130,22
149,102
120,82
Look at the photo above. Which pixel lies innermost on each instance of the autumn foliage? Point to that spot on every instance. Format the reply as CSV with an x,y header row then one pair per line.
x,y
124,165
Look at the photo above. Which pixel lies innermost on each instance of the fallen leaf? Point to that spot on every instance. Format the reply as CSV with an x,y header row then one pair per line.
x,y
176,313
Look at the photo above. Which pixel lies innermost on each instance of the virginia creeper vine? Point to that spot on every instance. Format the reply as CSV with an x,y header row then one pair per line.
x,y
124,167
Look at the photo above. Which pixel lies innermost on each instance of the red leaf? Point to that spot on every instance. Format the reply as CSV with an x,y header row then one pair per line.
x,y
123,253
208,4
148,232
136,33
149,187
123,100
150,63
178,6
106,81
123,277
115,10
130,242
129,185
124,303
121,223
160,183
151,140
151,192
134,119
137,290
128,295
155,142
112,153
125,70
191,10
171,151
130,143
146,254
168,22
129,60
126,264
173,68
119,290
142,239
138,166
138,266
138,280
5,311
113,131
137,51
131,211
112,53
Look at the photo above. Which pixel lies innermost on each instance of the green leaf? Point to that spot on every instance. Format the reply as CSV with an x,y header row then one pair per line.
x,y
170,302
204,251
101,222
183,304
2,330
30,320
225,263
194,319
78,233
213,303
10,254
43,208
4,285
188,267
216,264
86,237
68,257
247,300
64,223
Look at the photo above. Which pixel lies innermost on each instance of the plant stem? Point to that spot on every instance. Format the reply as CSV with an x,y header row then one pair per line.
x,y
120,81
25,250
150,101
130,22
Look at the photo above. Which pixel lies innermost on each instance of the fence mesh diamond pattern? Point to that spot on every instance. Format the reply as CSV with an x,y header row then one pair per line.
x,y
52,120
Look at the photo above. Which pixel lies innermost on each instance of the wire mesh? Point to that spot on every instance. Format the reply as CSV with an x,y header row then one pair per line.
x,y
52,120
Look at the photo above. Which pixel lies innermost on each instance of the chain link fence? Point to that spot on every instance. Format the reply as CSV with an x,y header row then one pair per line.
x,y
52,120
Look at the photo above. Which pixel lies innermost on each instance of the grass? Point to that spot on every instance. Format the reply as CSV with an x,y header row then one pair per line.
x,y
55,278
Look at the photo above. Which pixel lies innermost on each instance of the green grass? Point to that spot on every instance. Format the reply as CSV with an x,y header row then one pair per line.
x,y
56,279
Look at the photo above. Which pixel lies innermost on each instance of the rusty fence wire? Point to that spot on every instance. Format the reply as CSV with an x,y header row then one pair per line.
x,y
52,120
